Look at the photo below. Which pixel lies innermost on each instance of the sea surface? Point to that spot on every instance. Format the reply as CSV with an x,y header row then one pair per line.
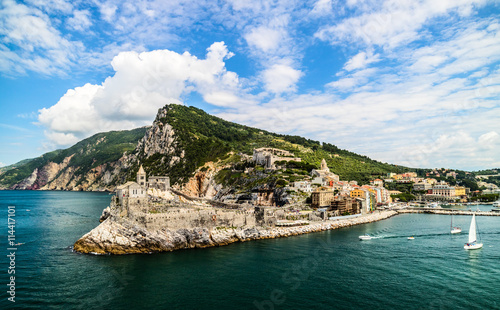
x,y
326,270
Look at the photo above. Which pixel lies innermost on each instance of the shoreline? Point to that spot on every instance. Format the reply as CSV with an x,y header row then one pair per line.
x,y
114,236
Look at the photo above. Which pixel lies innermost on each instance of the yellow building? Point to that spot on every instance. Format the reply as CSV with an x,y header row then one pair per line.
x,y
431,181
357,193
460,191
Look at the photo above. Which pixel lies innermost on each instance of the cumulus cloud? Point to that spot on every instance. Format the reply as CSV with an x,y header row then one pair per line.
x,y
142,83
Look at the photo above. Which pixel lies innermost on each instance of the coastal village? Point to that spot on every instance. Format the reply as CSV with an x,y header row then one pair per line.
x,y
151,200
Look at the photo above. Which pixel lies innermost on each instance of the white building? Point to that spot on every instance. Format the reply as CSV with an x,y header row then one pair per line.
x,y
130,190
304,186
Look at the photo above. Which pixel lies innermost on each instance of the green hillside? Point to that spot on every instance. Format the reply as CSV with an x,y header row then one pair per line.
x,y
89,153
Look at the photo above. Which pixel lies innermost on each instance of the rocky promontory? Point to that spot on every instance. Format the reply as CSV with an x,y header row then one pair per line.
x,y
120,236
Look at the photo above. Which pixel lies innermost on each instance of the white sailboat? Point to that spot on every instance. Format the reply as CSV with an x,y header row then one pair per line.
x,y
472,245
454,230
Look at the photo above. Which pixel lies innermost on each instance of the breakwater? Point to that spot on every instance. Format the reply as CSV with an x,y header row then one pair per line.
x,y
117,235
448,211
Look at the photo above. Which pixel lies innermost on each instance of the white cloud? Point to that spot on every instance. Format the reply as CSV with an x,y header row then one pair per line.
x,y
353,80
281,78
142,83
107,11
264,38
322,7
53,6
80,20
392,23
361,60
40,46
453,150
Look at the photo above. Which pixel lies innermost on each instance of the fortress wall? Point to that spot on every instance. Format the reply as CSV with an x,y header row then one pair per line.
x,y
185,219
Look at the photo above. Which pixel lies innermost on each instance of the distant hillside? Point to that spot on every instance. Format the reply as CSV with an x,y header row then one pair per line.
x,y
180,141
68,168
18,164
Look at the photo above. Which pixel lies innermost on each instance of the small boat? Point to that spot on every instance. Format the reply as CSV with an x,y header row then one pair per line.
x,y
365,237
496,206
454,230
411,238
20,243
472,244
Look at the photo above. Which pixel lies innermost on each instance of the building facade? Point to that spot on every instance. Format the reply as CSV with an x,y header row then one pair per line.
x,y
322,197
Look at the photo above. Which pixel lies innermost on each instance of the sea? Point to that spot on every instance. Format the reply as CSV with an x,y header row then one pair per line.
x,y
324,270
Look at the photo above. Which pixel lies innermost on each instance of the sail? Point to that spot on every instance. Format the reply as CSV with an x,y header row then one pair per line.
x,y
472,229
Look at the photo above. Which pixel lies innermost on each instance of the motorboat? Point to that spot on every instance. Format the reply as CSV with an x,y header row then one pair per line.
x,y
365,237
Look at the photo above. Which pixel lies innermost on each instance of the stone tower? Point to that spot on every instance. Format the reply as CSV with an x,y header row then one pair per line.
x,y
324,167
141,177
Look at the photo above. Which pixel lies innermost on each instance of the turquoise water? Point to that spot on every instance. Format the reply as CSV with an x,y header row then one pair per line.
x,y
327,270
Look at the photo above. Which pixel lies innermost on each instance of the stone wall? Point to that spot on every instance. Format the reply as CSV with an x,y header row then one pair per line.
x,y
189,218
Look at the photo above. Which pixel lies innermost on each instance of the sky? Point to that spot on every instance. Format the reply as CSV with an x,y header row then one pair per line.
x,y
409,82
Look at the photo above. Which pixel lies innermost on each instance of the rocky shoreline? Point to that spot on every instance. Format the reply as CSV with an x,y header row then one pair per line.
x,y
118,236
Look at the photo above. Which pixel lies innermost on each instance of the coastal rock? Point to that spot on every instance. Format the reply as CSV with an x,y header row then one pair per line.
x,y
119,236
105,214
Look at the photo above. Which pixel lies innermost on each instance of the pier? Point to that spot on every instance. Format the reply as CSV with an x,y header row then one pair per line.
x,y
448,211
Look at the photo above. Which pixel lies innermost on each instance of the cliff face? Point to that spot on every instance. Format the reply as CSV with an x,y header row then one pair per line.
x,y
203,184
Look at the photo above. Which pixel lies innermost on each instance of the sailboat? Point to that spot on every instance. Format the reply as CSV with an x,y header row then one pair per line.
x,y
454,230
472,245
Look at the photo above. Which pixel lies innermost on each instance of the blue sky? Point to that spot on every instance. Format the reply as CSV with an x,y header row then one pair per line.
x,y
415,83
